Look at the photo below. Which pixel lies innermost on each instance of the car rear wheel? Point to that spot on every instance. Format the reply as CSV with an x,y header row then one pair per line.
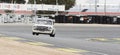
x,y
37,34
33,33
52,35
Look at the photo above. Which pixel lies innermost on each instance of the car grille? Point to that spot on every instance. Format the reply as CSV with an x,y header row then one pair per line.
x,y
41,28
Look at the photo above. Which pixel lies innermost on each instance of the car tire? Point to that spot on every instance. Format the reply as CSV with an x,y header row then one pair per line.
x,y
52,35
37,34
33,33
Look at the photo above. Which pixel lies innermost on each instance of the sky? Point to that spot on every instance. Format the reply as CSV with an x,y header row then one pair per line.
x,y
78,7
99,1
78,2
92,1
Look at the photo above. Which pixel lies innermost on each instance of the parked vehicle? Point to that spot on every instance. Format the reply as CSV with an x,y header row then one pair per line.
x,y
44,25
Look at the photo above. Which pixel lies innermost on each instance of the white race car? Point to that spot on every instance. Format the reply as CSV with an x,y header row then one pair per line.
x,y
44,26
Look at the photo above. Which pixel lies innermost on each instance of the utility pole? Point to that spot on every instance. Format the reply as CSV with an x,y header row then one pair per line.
x,y
80,8
35,10
57,7
12,1
34,7
105,7
96,6
118,8
42,6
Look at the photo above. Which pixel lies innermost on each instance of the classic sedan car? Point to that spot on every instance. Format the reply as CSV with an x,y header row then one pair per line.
x,y
44,26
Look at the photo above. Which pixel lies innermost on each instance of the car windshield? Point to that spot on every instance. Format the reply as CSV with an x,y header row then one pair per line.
x,y
45,22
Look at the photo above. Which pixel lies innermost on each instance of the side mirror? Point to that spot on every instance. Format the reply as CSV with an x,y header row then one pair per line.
x,y
54,21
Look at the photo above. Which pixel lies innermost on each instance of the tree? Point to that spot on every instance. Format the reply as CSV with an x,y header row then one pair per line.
x,y
13,1
68,3
6,1
20,1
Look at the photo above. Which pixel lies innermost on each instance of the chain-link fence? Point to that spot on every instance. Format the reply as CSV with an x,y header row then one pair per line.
x,y
10,18
88,19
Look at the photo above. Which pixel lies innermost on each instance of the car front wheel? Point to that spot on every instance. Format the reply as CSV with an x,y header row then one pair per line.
x,y
35,33
52,35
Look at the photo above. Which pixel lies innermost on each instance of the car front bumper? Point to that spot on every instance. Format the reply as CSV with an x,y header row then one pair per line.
x,y
42,32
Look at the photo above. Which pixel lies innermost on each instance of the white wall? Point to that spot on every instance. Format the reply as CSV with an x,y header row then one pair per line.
x,y
5,6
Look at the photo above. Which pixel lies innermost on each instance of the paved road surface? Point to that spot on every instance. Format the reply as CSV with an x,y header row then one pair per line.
x,y
77,37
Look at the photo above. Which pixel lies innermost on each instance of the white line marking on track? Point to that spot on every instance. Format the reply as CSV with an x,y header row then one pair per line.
x,y
98,53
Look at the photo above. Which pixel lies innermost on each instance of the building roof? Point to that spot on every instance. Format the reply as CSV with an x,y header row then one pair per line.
x,y
95,13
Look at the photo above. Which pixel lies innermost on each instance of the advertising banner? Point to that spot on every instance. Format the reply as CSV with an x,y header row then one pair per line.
x,y
5,6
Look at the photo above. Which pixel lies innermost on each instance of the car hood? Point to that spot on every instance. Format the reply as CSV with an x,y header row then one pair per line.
x,y
42,25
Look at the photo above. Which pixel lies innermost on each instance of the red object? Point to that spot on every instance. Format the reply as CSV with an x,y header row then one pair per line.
x,y
23,12
2,12
94,13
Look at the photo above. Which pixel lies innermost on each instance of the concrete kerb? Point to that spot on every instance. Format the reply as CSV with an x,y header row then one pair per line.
x,y
16,24
63,24
89,25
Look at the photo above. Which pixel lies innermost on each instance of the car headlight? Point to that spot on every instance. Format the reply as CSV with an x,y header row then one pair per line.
x,y
34,27
49,28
